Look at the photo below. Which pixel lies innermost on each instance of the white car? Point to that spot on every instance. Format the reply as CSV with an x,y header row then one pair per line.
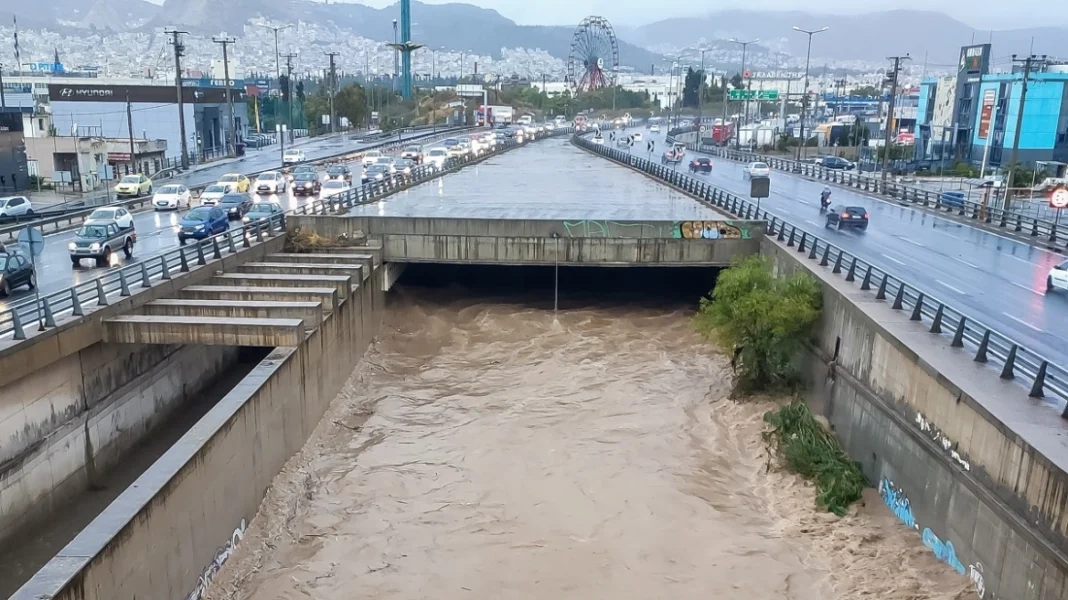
x,y
756,169
271,182
654,129
213,193
623,142
15,206
388,161
172,197
333,188
437,157
370,157
413,153
1057,278
120,216
292,157
549,126
636,136
597,139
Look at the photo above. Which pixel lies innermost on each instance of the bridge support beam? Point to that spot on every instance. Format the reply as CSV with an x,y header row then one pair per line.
x,y
308,311
213,331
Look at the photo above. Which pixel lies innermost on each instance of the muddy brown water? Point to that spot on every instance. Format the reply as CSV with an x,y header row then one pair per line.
x,y
491,448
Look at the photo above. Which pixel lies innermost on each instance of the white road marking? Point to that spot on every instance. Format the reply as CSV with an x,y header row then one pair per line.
x,y
804,201
814,223
1028,288
913,242
887,256
964,262
1024,323
946,285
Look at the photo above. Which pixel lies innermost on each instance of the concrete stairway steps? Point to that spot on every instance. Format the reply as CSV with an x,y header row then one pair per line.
x,y
367,260
215,331
311,312
327,296
309,268
342,283
372,247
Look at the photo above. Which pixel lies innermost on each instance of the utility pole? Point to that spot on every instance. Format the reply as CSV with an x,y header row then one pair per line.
x,y
804,96
289,88
892,76
745,110
232,137
179,51
129,126
332,87
700,96
1029,64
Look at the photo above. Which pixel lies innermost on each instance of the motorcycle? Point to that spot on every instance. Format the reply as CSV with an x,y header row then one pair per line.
x,y
825,202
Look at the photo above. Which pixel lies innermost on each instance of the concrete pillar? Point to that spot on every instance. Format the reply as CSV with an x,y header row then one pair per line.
x,y
342,283
327,296
216,331
308,311
309,268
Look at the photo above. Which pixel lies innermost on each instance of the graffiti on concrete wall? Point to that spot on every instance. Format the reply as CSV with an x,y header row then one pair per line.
x,y
943,550
898,503
221,556
710,230
975,573
936,435
609,229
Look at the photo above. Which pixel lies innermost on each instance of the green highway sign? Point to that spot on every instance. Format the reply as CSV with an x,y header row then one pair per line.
x,y
768,95
742,94
754,94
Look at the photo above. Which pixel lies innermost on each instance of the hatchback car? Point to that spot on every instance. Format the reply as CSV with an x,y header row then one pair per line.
x,y
120,216
756,169
701,165
306,184
263,211
848,217
235,205
1057,278
214,192
15,270
404,166
375,173
271,182
15,206
202,222
133,185
341,172
333,188
370,157
238,182
835,162
290,157
172,197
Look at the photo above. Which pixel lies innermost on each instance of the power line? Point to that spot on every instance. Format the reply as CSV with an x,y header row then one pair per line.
x,y
333,87
891,78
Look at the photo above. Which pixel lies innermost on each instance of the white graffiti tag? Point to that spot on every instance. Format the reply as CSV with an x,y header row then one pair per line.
x,y
221,556
975,572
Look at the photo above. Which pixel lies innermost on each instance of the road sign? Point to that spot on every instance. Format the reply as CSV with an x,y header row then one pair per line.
x,y
742,94
768,95
754,95
1059,198
702,129
31,238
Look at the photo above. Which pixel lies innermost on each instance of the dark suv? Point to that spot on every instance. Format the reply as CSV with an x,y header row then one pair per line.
x,y
835,162
843,217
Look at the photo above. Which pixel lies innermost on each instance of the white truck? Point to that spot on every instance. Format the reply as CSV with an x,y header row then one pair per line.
x,y
499,115
526,120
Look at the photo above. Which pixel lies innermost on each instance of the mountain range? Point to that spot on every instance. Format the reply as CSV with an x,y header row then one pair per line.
x,y
869,37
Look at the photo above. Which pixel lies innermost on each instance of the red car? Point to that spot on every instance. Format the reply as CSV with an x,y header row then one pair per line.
x,y
701,165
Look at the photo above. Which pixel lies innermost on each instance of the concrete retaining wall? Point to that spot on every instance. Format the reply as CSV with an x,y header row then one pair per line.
x,y
959,455
162,537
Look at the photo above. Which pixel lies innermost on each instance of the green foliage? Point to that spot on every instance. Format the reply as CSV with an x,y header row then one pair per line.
x,y
763,318
867,91
809,450
532,99
737,82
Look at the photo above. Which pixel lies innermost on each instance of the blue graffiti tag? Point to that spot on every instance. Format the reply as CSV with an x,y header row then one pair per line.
x,y
943,550
898,503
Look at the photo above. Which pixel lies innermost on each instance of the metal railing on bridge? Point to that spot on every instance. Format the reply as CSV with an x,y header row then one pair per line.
x,y
1042,377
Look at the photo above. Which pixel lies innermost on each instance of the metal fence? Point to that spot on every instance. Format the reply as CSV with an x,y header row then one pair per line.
x,y
1018,221
124,281
1042,377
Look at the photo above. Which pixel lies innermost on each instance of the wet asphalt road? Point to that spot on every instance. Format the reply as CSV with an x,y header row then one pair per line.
x,y
994,279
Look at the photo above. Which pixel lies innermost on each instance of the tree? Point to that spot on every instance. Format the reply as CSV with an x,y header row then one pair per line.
x,y
737,82
762,320
300,92
691,85
867,91
283,87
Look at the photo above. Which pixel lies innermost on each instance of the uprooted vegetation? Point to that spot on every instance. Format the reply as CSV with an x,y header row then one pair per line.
x,y
304,240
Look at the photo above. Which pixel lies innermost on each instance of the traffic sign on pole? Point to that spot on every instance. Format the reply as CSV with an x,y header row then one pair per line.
x,y
1059,198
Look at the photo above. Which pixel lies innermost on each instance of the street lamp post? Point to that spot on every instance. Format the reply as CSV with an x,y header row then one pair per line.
x,y
804,97
700,95
745,109
396,57
277,65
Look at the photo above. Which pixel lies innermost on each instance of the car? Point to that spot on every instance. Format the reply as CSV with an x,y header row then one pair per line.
x,y
15,206
262,211
623,142
235,204
238,182
701,164
98,240
306,184
1057,278
404,166
172,197
301,169
413,153
371,156
500,138
132,186
342,172
843,217
636,136
597,139
756,169
270,182
388,161
437,157
952,198
376,173
211,194
835,162
549,126
16,270
202,222
291,157
333,188
654,128
452,146
118,214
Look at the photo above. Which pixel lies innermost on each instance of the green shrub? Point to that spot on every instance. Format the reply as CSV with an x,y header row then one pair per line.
x,y
762,320
809,450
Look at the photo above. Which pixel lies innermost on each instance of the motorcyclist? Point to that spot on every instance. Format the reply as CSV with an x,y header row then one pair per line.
x,y
825,197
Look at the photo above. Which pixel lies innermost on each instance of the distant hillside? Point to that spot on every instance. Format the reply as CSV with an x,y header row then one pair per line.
x,y
114,14
455,26
871,36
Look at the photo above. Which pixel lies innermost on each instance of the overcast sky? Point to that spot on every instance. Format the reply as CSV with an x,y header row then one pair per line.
x,y
622,13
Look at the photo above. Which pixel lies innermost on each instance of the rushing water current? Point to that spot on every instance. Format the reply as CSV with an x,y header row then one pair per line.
x,y
489,448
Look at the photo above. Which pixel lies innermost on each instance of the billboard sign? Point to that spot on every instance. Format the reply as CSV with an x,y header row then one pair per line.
x,y
986,113
974,59
158,94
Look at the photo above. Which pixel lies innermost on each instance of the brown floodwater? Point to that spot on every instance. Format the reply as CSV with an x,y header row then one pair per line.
x,y
489,447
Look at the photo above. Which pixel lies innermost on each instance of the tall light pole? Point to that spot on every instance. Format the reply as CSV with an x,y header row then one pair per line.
x,y
745,110
804,97
396,57
700,94
232,137
277,64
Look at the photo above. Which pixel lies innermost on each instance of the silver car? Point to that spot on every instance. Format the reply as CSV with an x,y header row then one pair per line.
x,y
756,169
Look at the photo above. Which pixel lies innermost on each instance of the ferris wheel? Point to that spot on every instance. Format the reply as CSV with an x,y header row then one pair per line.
x,y
594,56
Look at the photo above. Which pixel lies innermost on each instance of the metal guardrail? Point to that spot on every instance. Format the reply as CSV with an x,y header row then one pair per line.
x,y
124,281
1018,222
1043,377
63,220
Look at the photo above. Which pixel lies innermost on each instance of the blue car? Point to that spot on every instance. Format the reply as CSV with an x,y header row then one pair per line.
x,y
952,198
202,222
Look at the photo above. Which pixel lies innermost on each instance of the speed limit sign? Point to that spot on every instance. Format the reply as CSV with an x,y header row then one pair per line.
x,y
702,129
1059,198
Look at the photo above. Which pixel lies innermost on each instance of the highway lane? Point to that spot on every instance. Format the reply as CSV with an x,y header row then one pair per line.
x,y
993,278
155,234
